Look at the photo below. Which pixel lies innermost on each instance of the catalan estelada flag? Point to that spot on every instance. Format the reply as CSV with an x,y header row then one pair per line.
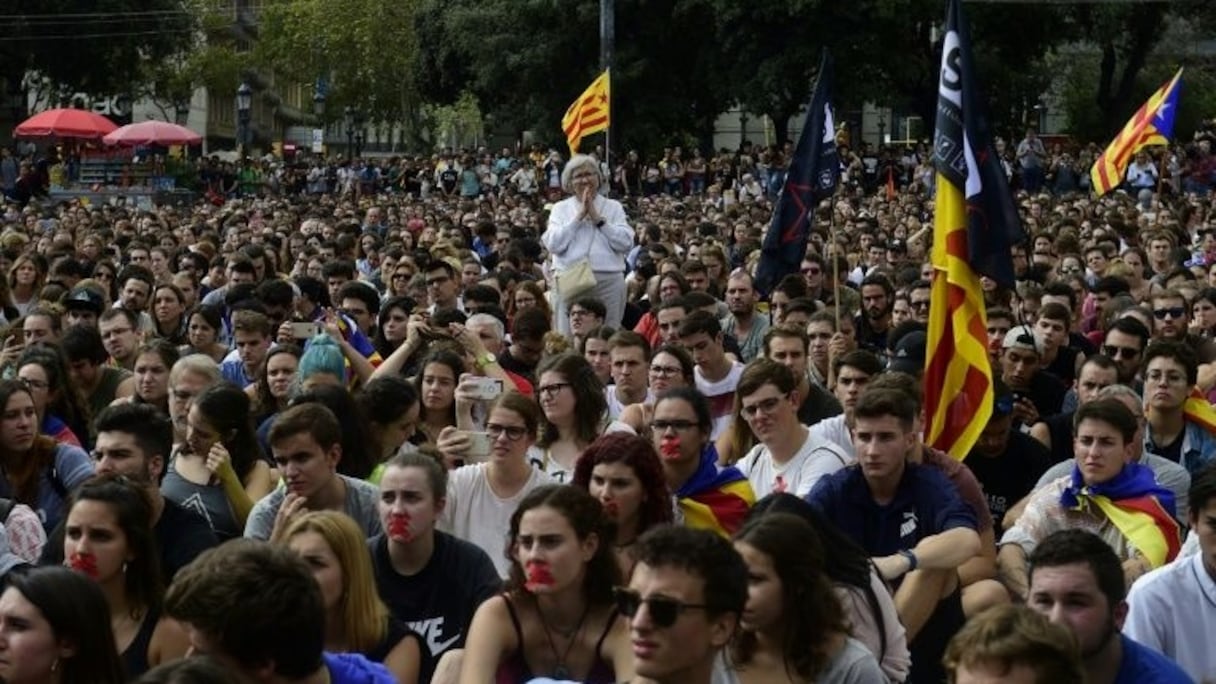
x,y
589,113
1153,124
1197,409
1142,510
975,223
715,499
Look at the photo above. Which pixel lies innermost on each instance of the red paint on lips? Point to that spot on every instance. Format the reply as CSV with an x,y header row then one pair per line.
x,y
669,448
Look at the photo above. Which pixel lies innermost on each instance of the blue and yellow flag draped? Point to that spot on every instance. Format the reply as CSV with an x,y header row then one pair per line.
x,y
975,223
715,499
1141,509
1153,124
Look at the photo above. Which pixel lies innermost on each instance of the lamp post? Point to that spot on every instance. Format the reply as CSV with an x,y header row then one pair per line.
x,y
318,106
882,130
181,111
348,117
244,104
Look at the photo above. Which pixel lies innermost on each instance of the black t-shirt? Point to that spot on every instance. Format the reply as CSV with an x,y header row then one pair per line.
x,y
1046,393
437,603
509,362
448,179
1064,366
1012,475
818,405
1059,427
181,535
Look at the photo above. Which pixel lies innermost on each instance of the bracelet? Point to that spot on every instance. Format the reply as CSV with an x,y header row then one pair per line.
x,y
911,556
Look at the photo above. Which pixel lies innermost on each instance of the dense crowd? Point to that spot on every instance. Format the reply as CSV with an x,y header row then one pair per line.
x,y
501,416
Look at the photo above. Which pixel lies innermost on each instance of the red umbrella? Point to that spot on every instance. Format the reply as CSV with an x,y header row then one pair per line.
x,y
152,133
65,123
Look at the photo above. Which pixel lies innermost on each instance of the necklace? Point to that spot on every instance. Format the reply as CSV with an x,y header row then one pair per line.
x,y
560,671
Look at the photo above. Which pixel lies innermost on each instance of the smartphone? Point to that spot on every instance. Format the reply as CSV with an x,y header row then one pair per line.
x,y
479,445
303,330
488,389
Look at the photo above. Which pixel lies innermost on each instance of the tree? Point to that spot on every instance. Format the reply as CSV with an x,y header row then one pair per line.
x,y
364,49
76,45
527,60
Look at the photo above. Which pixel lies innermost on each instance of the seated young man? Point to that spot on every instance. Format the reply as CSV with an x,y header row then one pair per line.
x,y
257,610
307,444
909,518
1107,494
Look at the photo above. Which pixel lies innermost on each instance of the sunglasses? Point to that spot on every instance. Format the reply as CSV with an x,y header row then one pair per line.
x,y
1174,312
1120,352
663,611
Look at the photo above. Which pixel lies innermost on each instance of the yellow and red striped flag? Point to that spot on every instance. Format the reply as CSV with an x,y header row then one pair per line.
x,y
974,225
1153,124
589,113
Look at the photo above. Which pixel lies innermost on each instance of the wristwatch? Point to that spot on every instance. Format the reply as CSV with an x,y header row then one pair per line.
x,y
486,359
911,557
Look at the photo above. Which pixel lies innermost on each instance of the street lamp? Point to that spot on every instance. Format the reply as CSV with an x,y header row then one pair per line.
x,y
318,105
181,111
244,102
348,116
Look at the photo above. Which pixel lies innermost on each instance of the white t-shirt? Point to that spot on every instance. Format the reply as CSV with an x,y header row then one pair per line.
x,y
1172,610
477,515
541,460
721,396
837,432
615,407
816,458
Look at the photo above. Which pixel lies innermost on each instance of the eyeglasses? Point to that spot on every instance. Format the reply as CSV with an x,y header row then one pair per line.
x,y
765,406
663,611
919,306
34,384
514,433
401,276
579,313
811,271
665,371
1174,312
661,426
1120,352
436,282
551,390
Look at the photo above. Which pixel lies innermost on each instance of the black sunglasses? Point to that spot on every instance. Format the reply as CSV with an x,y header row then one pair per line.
x,y
1174,312
663,611
1120,352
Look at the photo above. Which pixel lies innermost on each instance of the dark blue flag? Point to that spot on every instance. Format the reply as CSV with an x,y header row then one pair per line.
x,y
813,175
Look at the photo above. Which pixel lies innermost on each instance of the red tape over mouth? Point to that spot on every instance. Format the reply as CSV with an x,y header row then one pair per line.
x,y
399,528
85,563
669,448
539,575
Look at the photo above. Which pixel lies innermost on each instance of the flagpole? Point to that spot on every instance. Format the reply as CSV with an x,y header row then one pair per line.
x,y
607,46
835,261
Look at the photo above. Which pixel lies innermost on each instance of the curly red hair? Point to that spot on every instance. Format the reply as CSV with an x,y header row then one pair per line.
x,y
638,454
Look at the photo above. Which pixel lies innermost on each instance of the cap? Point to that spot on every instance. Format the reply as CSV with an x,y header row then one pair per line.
x,y
909,354
1022,337
84,298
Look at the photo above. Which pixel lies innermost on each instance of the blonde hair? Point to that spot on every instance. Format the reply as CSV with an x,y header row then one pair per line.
x,y
364,615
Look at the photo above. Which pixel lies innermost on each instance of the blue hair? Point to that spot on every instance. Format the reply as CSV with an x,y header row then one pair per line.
x,y
322,355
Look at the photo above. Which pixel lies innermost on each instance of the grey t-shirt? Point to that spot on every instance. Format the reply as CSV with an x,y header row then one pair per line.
x,y
853,664
1167,473
360,505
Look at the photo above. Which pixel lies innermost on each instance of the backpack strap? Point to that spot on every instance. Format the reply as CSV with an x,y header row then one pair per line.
x,y
6,508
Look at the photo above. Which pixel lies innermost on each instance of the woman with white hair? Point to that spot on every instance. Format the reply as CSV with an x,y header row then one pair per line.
x,y
588,230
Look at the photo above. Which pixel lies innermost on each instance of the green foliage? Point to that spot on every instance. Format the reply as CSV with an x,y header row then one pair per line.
x,y
366,50
92,46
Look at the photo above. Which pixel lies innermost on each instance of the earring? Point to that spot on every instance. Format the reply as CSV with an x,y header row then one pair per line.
x,y
124,567
55,665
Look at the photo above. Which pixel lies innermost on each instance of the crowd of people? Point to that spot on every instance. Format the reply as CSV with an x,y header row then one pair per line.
x,y
503,417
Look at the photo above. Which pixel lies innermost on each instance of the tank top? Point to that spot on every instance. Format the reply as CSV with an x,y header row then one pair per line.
x,y
207,501
516,669
135,658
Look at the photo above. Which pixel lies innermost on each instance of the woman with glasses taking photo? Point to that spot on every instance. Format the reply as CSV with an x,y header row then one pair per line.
x,y
557,617
482,496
